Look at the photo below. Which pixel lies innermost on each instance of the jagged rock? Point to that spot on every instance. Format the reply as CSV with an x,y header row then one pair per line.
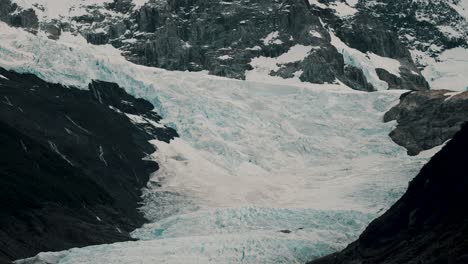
x,y
188,35
427,118
429,224
53,29
96,38
72,165
367,34
323,65
407,81
13,15
354,78
421,25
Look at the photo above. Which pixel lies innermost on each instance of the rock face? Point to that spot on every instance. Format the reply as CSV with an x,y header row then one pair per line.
x,y
72,165
427,119
224,37
369,34
429,224
428,26
195,35
18,17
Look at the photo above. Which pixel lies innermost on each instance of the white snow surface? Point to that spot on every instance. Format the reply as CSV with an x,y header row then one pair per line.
x,y
254,158
449,71
262,66
272,38
343,9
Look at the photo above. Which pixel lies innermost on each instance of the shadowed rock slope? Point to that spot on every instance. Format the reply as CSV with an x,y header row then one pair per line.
x,y
429,224
71,166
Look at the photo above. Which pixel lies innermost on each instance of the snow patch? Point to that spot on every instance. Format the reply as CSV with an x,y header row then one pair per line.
x,y
263,66
451,95
225,57
343,9
449,71
315,34
272,38
139,3
317,3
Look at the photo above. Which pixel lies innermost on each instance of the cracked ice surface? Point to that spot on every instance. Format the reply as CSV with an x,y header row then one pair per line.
x,y
254,159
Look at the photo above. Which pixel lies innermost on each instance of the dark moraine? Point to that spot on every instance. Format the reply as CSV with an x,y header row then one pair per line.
x,y
71,164
428,225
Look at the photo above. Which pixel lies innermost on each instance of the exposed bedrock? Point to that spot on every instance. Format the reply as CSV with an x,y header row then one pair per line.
x,y
223,37
18,17
72,166
370,35
427,119
429,224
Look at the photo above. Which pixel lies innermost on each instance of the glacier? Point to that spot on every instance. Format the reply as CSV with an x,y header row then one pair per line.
x,y
263,172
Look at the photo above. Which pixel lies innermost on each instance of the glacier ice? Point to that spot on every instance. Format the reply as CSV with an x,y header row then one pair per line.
x,y
262,172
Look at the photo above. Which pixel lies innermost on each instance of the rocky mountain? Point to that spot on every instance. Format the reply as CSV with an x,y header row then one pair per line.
x,y
317,42
429,224
278,161
71,171
427,119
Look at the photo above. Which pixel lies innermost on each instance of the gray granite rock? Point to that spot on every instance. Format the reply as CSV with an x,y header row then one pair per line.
x,y
196,35
427,119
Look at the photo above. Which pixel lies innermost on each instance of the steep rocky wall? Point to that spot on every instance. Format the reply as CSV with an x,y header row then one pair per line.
x,y
72,166
429,26
11,14
372,34
223,37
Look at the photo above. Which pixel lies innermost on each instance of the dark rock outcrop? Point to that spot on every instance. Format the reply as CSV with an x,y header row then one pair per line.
x,y
408,80
427,119
192,35
429,224
356,79
428,26
368,34
71,167
15,16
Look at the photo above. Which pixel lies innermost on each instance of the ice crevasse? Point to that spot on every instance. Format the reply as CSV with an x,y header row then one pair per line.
x,y
262,172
